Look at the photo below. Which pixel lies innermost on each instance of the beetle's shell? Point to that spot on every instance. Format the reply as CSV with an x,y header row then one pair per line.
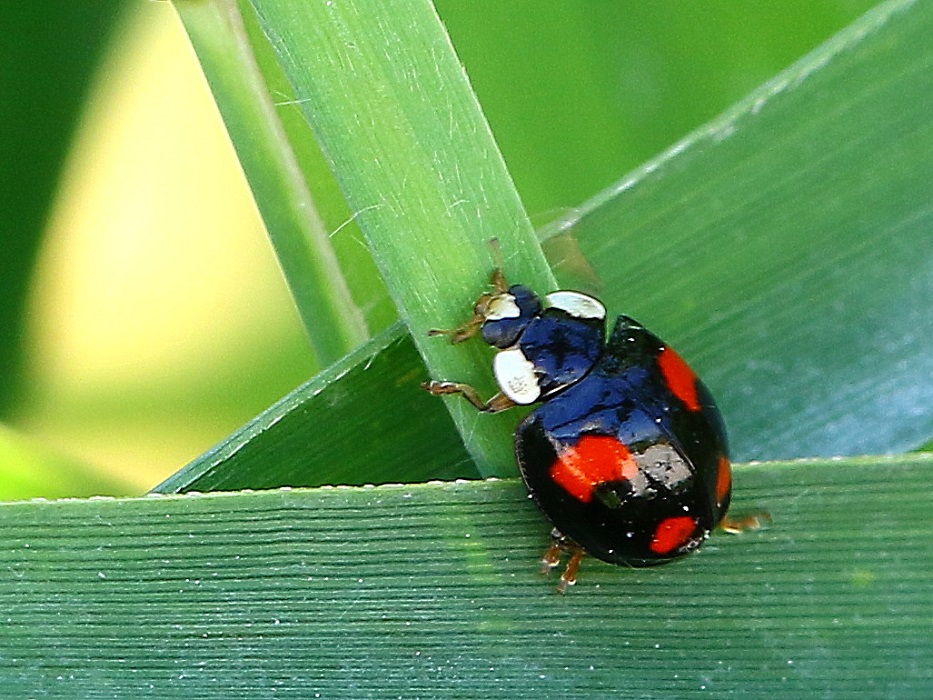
x,y
631,461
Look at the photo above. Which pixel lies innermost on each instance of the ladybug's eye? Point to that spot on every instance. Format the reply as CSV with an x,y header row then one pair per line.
x,y
507,314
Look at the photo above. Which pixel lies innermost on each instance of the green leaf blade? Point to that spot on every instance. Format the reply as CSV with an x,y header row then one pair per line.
x,y
419,168
434,590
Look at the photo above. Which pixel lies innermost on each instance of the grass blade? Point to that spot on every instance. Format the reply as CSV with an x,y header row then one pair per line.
x,y
432,591
417,163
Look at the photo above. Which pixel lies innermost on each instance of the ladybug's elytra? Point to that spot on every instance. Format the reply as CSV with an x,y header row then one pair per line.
x,y
626,454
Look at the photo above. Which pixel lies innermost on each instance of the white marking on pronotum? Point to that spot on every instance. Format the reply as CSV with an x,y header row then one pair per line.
x,y
516,376
576,304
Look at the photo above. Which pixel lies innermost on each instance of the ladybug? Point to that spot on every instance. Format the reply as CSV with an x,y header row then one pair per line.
x,y
626,451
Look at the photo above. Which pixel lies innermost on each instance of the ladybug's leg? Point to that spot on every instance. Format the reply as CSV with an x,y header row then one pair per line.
x,y
553,555
569,577
499,402
737,524
462,332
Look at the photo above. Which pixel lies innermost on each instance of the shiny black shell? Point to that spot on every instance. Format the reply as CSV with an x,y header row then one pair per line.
x,y
628,459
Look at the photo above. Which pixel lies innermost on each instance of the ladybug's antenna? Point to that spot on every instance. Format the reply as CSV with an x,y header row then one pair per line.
x,y
497,279
496,251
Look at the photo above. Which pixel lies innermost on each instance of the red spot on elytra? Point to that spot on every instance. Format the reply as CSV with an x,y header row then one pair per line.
x,y
672,533
680,378
723,480
594,460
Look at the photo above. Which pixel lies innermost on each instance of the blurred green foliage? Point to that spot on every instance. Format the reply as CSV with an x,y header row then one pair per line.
x,y
578,94
48,54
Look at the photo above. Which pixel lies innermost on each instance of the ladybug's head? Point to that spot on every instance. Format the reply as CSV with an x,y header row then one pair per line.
x,y
506,314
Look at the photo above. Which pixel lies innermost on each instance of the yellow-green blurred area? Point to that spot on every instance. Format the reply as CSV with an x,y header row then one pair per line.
x,y
156,318
143,313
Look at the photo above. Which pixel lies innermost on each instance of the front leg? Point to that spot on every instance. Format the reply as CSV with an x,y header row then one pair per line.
x,y
497,403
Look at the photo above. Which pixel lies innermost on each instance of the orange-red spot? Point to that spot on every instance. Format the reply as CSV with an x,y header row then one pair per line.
x,y
680,378
723,480
594,460
672,533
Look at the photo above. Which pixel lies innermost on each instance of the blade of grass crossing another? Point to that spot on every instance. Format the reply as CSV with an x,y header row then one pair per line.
x,y
332,320
391,106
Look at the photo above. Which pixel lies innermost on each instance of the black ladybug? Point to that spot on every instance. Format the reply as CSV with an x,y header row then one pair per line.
x,y
626,454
